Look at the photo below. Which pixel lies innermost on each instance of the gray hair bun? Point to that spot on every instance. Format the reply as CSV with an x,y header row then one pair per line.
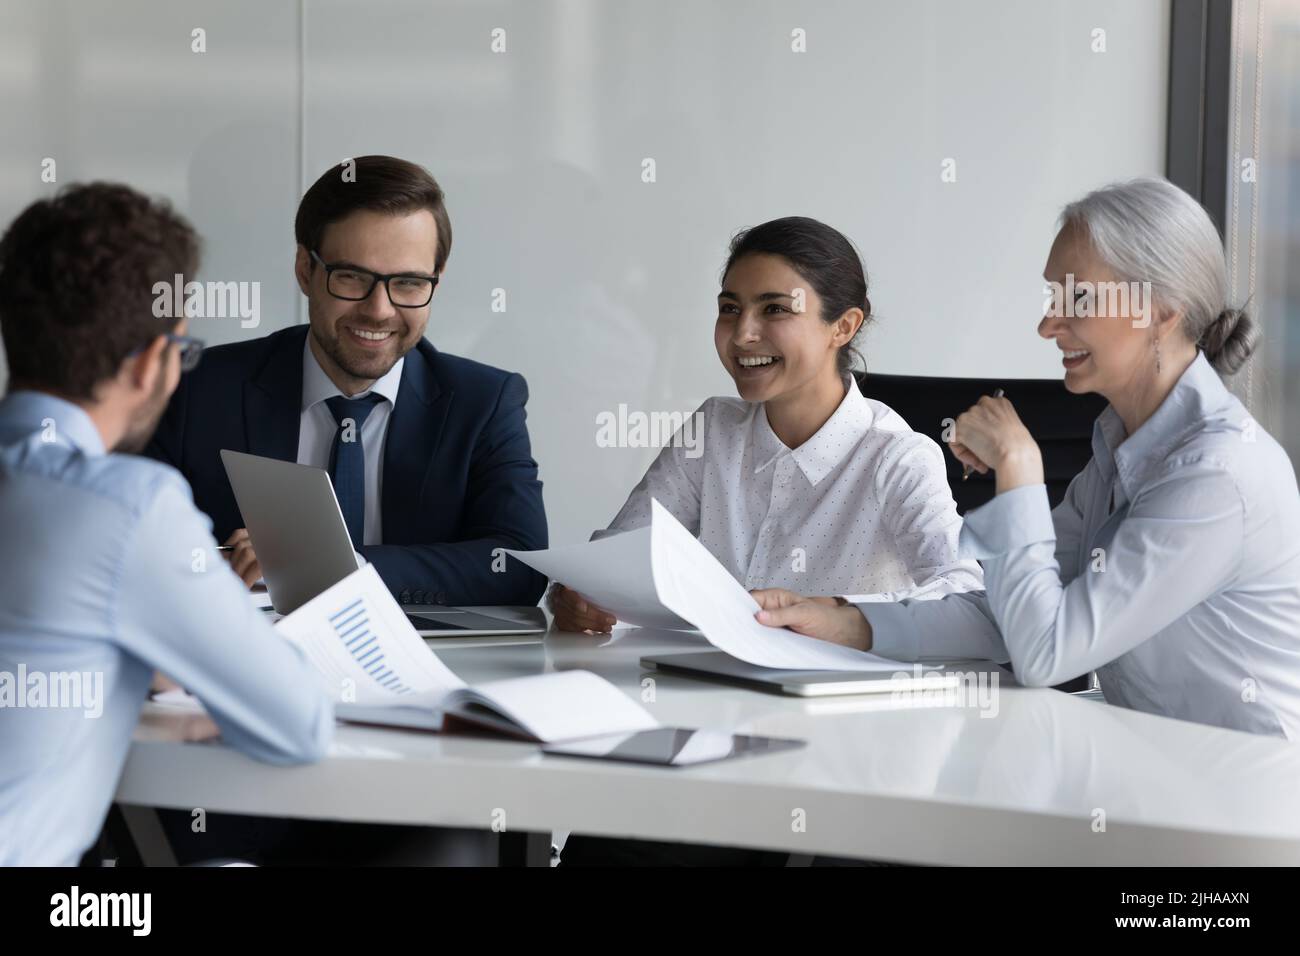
x,y
1229,340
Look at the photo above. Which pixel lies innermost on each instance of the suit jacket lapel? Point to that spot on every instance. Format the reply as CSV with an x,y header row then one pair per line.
x,y
414,430
273,401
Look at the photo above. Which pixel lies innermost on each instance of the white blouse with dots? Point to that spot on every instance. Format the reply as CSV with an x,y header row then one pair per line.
x,y
861,508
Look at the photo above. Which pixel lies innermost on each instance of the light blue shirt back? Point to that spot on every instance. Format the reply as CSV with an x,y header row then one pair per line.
x,y
110,572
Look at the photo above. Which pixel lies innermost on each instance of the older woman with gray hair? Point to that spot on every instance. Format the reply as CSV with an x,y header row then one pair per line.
x,y
1172,567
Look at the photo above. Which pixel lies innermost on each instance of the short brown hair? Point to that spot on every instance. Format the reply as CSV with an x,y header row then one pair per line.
x,y
381,184
76,284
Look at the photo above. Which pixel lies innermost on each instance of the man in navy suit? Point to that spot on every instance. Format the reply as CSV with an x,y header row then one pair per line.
x,y
429,453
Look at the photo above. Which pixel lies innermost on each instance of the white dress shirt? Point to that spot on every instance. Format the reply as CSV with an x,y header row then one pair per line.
x,y
860,508
1172,568
317,428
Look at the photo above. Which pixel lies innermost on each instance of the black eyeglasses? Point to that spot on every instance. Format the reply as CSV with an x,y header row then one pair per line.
x,y
191,349
354,284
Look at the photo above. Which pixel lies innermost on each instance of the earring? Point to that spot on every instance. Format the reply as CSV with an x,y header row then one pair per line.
x,y
1157,356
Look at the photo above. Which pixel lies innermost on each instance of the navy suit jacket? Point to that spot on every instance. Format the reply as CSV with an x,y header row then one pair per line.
x,y
459,475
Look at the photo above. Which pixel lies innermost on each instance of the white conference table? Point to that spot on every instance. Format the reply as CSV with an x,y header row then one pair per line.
x,y
1049,779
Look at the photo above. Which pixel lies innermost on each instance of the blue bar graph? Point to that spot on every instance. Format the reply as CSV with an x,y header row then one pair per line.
x,y
352,625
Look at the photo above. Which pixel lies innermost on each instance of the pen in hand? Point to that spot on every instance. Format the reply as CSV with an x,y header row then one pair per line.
x,y
966,469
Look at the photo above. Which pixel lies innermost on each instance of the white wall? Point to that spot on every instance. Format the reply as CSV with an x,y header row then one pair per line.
x,y
610,282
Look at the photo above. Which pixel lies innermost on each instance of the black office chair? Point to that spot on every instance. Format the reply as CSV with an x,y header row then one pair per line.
x,y
1060,422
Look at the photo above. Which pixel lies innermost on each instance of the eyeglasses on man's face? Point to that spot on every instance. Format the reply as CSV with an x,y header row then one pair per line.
x,y
191,349
406,290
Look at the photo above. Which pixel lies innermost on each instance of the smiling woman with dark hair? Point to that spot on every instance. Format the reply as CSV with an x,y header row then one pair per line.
x,y
801,481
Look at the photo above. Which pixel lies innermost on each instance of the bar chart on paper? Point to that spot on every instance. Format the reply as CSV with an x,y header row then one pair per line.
x,y
365,649
352,625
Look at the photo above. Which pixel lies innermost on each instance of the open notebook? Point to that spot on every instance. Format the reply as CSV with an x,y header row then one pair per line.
x,y
378,670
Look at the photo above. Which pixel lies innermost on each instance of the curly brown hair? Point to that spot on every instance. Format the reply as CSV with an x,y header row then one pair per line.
x,y
76,284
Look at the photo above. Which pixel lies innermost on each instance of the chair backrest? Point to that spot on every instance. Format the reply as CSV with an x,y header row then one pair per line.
x,y
1060,422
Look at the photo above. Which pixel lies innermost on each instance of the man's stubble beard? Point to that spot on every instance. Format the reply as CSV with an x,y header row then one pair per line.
x,y
333,349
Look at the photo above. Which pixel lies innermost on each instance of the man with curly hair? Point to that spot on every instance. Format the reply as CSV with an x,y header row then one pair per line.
x,y
110,572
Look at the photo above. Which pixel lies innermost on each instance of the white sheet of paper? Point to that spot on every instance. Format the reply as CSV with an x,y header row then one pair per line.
x,y
563,705
691,583
613,573
364,647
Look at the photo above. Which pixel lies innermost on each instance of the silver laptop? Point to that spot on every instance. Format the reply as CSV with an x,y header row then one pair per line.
x,y
720,666
302,543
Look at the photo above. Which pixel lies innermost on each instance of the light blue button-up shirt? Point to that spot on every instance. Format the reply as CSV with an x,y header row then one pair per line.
x,y
1172,568
108,572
